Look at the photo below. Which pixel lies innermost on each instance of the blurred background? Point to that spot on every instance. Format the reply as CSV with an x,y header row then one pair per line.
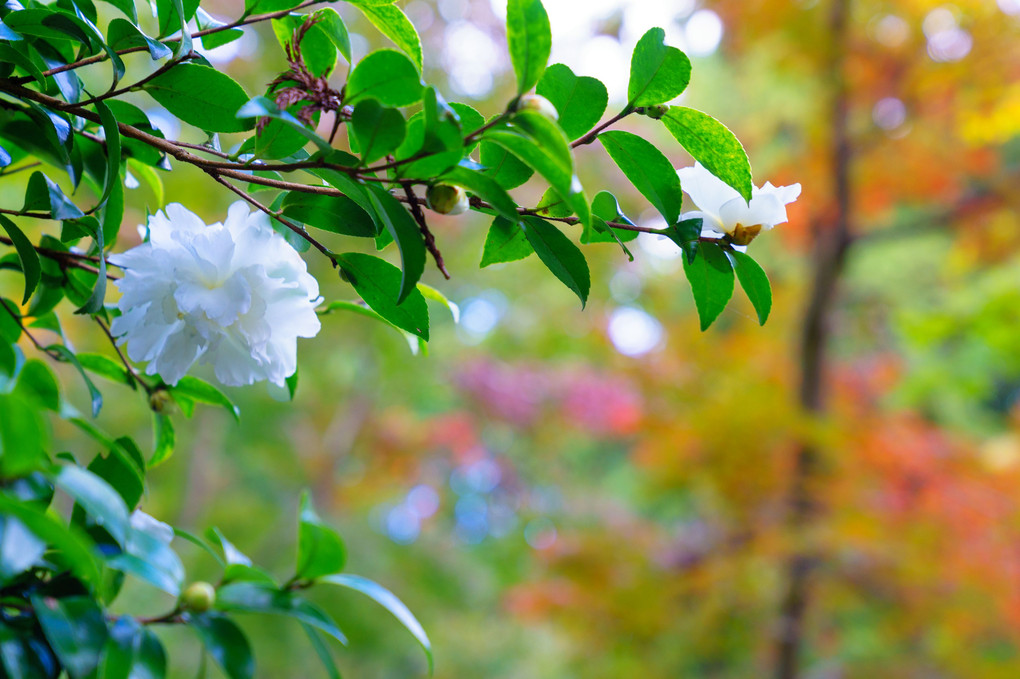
x,y
611,493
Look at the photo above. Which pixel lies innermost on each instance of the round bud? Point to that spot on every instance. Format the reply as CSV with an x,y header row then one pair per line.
x,y
539,104
199,597
161,401
447,199
657,111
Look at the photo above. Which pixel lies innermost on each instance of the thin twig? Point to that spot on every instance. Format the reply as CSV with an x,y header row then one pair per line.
x,y
275,215
67,259
123,359
9,170
430,240
593,135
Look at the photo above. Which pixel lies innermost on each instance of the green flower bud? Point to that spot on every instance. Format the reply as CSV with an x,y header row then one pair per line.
x,y
657,111
447,199
161,401
199,597
539,104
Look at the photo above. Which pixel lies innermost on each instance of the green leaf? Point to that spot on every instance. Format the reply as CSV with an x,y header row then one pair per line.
x,y
30,265
390,602
43,193
98,498
329,22
336,214
263,107
174,13
317,47
387,76
20,548
529,40
105,366
149,657
362,310
579,101
38,383
203,392
504,167
255,597
685,234
226,643
658,72
404,230
648,170
164,439
127,7
95,301
124,469
67,356
538,142
123,34
378,282
713,145
117,654
394,24
755,283
378,129
238,567
485,187
71,548
321,551
75,629
201,96
711,278
321,650
559,254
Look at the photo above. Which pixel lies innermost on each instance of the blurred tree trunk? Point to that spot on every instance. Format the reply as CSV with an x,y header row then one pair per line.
x,y
832,240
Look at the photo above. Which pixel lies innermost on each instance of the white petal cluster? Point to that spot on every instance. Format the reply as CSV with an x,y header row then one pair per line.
x,y
724,211
234,294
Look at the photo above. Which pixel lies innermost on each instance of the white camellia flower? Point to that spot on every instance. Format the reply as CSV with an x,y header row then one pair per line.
x,y
724,211
235,295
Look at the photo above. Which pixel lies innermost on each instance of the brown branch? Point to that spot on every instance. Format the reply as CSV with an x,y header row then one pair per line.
x,y
430,239
67,259
593,135
251,200
123,359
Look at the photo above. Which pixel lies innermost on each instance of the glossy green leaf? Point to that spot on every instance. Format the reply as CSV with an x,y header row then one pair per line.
x,y
403,228
336,214
529,40
254,597
378,129
101,502
387,76
75,629
505,242
329,22
378,282
394,24
504,167
37,383
711,278
104,366
124,469
68,356
263,107
755,283
123,34
580,101
321,551
20,548
713,145
95,300
26,254
71,548
174,14
390,602
658,72
648,170
226,643
322,651
201,96
164,439
203,392
125,6
42,193
559,254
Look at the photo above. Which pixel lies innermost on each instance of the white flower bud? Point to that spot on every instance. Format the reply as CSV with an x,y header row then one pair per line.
x,y
539,104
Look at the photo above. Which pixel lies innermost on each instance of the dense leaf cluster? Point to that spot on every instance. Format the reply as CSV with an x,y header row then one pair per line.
x,y
59,575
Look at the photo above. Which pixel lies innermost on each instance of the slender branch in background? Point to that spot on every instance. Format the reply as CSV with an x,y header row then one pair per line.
x,y
275,215
430,240
17,319
203,149
593,135
831,247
